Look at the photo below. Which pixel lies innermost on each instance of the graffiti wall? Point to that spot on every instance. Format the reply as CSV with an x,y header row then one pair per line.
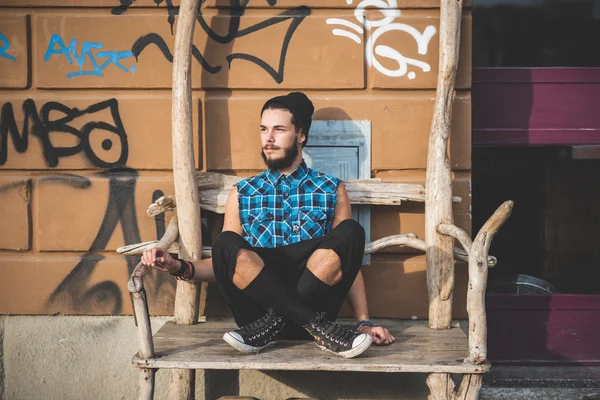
x,y
85,140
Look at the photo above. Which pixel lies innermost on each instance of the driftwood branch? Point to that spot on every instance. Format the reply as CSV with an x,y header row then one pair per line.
x,y
135,249
186,188
389,194
146,384
411,240
465,240
478,273
441,387
136,279
470,386
456,233
438,184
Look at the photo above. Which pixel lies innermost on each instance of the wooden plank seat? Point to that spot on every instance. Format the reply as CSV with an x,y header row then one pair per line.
x,y
417,349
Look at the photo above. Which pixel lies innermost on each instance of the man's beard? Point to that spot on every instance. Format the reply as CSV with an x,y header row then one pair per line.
x,y
284,162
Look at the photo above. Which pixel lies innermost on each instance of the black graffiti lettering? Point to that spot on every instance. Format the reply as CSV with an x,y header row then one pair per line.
x,y
125,4
155,39
237,9
8,125
120,208
74,290
297,15
41,125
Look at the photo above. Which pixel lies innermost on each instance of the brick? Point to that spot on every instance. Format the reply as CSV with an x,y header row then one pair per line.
x,y
14,58
385,72
60,198
142,122
81,284
400,127
409,217
397,288
307,62
15,195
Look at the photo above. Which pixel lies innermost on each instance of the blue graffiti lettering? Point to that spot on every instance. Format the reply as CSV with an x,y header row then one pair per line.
x,y
57,46
5,46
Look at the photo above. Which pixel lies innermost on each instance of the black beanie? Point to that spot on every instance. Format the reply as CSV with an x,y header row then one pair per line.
x,y
299,105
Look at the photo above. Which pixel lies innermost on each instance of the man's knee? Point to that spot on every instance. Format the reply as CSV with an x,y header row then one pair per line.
x,y
225,240
225,248
325,264
350,229
247,259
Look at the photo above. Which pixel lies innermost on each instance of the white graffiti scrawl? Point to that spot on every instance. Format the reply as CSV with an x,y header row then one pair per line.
x,y
376,28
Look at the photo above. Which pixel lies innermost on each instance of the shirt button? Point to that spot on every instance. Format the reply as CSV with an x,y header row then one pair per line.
x,y
296,228
286,195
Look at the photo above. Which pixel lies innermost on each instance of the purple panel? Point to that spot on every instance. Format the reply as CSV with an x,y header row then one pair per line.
x,y
536,75
550,106
558,329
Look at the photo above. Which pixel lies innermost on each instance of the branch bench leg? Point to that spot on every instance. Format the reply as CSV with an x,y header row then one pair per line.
x,y
146,384
183,384
441,387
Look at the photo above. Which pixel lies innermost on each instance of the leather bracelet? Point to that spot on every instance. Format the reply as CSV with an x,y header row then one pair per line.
x,y
181,270
189,273
363,322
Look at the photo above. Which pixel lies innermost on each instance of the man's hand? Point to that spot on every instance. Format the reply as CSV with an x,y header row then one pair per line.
x,y
160,260
381,336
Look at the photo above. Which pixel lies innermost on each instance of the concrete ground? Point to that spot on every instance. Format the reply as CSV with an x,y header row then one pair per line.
x,y
68,357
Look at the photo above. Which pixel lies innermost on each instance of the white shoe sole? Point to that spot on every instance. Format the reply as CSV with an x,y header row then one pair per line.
x,y
244,348
361,348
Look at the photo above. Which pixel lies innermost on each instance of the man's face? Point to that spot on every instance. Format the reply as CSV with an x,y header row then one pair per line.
x,y
278,139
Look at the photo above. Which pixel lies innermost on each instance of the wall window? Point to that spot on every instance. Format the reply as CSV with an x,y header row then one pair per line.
x,y
536,33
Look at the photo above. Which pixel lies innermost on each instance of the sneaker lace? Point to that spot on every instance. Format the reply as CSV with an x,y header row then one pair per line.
x,y
257,325
335,330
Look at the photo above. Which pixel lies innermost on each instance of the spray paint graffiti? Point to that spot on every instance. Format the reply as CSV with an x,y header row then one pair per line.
x,y
4,45
74,292
158,41
237,10
388,8
57,47
41,125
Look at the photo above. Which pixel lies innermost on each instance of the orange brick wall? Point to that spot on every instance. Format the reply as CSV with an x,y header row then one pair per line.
x,y
86,144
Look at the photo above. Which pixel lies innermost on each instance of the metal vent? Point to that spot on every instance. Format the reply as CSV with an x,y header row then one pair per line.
x,y
522,284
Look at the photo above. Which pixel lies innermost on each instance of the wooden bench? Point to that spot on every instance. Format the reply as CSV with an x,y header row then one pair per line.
x,y
438,347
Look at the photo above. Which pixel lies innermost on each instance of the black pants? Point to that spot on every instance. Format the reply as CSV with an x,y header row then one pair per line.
x,y
347,240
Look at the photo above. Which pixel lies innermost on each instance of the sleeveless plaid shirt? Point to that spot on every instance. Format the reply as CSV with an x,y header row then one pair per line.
x,y
277,210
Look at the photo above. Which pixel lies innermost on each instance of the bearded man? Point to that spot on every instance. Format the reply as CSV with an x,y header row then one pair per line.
x,y
289,253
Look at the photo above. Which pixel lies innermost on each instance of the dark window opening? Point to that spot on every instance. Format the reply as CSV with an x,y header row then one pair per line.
x,y
536,33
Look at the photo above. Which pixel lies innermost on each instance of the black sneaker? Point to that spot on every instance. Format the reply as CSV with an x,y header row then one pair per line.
x,y
337,339
256,335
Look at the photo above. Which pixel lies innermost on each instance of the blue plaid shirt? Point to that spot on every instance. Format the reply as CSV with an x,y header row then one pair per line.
x,y
277,210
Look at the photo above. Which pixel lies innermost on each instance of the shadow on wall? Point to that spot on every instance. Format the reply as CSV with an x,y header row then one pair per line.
x,y
331,113
216,50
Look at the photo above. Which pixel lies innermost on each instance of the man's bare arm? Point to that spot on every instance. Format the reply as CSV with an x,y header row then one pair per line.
x,y
232,216
231,222
343,209
357,296
203,269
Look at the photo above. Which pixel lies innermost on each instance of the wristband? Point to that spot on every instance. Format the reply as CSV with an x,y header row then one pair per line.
x,y
363,322
188,273
181,270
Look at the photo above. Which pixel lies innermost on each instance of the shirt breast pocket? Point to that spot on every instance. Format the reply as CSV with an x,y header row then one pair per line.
x,y
312,223
259,229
